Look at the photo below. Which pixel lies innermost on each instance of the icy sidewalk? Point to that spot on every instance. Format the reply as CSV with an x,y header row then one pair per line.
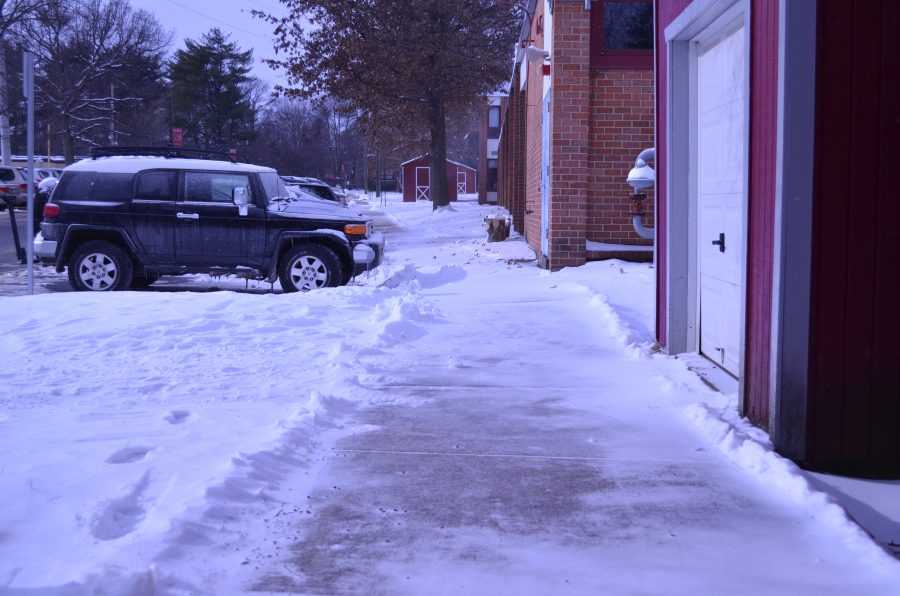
x,y
519,444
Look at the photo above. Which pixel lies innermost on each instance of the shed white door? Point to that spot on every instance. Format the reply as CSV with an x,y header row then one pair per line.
x,y
423,183
460,181
720,186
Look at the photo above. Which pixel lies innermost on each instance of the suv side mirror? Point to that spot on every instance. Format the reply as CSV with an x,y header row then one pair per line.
x,y
241,198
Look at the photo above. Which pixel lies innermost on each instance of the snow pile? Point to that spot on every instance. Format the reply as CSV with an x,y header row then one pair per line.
x,y
751,449
167,441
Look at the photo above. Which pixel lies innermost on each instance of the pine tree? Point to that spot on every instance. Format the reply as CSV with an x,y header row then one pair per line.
x,y
406,65
211,92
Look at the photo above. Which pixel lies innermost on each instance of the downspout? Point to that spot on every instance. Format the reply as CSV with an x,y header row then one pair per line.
x,y
641,177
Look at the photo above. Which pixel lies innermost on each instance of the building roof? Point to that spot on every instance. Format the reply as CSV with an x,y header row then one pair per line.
x,y
428,155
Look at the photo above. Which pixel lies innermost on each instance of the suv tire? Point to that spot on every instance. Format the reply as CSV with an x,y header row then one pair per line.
x,y
309,267
100,266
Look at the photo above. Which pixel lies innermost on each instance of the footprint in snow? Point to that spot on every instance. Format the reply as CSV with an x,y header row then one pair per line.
x,y
128,455
119,517
177,416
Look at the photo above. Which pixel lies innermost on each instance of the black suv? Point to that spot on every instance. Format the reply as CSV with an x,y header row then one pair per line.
x,y
121,221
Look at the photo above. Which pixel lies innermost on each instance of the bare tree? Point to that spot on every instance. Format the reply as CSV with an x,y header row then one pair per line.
x,y
92,54
13,15
403,64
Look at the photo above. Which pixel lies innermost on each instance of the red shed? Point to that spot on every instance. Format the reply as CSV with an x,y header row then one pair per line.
x,y
416,179
778,221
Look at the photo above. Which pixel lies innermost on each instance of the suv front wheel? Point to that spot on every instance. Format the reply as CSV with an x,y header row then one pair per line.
x,y
99,266
309,267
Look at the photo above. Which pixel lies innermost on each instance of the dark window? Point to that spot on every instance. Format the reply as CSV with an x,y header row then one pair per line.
x,y
157,186
492,175
94,186
7,175
215,187
622,34
323,192
494,122
75,186
112,187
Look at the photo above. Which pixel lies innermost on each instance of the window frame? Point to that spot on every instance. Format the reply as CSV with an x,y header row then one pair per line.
x,y
187,198
605,59
493,132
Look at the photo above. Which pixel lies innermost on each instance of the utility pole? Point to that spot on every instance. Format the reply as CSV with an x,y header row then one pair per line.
x,y
5,145
28,91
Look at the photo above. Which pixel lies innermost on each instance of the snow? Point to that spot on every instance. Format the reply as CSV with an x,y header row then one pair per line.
x,y
456,421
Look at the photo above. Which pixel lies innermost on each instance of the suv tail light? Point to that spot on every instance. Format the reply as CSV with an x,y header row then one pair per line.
x,y
4,190
51,210
23,186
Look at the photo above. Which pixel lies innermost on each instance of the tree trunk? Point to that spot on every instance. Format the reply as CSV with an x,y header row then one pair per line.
x,y
68,142
440,196
4,110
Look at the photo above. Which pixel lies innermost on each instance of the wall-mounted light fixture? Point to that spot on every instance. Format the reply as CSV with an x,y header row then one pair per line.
x,y
535,54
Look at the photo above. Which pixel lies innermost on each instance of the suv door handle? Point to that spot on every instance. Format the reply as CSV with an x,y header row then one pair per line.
x,y
180,215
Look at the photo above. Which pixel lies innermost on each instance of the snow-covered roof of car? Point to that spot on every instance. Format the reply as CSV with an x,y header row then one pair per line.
x,y
131,164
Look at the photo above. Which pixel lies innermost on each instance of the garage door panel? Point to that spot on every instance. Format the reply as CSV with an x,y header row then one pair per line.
x,y
721,148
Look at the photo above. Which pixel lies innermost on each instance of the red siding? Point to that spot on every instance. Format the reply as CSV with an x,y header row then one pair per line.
x,y
761,211
854,403
409,177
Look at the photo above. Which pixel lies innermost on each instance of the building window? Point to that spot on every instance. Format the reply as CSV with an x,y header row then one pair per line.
x,y
622,34
492,175
493,122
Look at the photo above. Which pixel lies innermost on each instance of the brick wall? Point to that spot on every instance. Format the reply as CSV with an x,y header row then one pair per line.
x,y
601,120
532,165
622,108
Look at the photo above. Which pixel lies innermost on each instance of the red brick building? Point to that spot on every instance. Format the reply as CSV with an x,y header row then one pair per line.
x,y
580,108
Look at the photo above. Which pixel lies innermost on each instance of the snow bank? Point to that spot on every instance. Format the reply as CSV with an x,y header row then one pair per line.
x,y
750,449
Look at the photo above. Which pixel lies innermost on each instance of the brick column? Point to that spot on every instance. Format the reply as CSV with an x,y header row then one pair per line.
x,y
570,133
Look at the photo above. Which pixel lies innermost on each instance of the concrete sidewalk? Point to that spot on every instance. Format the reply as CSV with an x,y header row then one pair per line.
x,y
466,477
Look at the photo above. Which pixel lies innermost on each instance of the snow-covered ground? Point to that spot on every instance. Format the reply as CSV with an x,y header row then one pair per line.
x,y
159,442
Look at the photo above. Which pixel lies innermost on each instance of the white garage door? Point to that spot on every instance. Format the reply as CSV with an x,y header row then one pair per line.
x,y
720,186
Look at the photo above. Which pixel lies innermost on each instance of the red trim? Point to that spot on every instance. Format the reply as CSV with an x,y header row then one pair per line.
x,y
615,59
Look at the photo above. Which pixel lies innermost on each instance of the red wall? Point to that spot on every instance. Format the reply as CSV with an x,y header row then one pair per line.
x,y
761,209
409,178
854,406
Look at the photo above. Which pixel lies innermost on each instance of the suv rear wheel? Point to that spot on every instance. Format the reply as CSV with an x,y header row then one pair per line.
x,y
309,267
99,266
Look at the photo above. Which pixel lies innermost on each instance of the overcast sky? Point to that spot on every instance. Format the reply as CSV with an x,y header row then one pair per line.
x,y
192,18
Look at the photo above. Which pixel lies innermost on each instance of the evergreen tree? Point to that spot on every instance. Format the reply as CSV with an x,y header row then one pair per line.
x,y
212,92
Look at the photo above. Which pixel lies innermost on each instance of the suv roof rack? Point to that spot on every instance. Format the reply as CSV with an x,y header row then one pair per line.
x,y
168,152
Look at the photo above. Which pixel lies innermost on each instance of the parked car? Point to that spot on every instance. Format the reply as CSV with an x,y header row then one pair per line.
x,y
317,187
44,173
13,187
119,221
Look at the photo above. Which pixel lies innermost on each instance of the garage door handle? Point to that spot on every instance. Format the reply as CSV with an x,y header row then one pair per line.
x,y
720,242
187,215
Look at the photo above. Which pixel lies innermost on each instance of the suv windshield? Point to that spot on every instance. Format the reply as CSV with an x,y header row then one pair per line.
x,y
273,185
